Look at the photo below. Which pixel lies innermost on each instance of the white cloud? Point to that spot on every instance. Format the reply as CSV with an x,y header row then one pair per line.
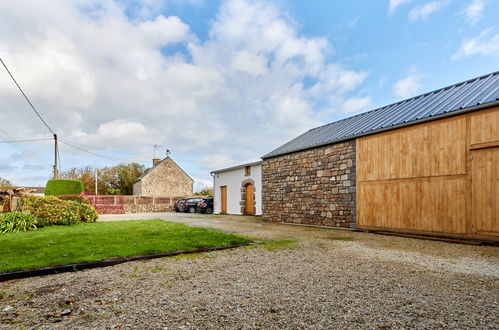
x,y
103,78
395,3
409,85
423,12
486,44
474,11
356,105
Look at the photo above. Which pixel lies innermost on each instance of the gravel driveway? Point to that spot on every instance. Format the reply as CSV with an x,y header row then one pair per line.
x,y
308,278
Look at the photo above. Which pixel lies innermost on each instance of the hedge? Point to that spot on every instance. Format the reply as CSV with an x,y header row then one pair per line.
x,y
63,187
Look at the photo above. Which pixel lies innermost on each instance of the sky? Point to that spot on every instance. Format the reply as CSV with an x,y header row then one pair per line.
x,y
218,83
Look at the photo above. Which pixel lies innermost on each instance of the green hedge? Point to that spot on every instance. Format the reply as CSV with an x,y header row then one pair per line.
x,y
63,187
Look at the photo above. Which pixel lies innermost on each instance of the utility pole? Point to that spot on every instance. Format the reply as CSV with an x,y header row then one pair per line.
x,y
96,173
56,170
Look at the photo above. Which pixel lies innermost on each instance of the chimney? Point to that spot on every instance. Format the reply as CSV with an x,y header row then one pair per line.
x,y
155,161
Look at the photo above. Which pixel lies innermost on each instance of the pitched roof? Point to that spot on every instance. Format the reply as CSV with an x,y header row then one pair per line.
x,y
236,167
157,164
473,94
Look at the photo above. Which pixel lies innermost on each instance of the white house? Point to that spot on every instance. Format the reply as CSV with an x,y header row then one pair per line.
x,y
238,189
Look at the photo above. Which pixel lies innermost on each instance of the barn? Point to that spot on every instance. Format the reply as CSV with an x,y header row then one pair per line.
x,y
426,165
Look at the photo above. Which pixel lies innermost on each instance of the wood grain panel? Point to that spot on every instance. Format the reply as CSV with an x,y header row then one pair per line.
x,y
440,177
485,126
485,191
427,204
432,149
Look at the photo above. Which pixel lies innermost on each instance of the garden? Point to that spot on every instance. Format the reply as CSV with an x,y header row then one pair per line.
x,y
60,230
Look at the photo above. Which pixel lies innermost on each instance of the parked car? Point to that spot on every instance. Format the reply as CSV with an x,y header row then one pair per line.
x,y
206,206
190,205
179,205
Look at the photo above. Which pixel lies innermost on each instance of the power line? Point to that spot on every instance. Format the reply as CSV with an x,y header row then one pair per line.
x,y
141,156
17,141
90,152
32,107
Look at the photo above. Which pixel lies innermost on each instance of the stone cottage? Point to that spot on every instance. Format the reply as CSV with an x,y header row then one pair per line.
x,y
425,165
165,178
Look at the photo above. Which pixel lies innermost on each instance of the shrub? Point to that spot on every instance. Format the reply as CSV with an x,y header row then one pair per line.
x,y
88,213
55,211
17,221
63,187
74,198
49,208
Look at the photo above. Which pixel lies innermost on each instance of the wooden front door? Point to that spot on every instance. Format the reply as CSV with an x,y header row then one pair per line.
x,y
223,199
250,199
485,191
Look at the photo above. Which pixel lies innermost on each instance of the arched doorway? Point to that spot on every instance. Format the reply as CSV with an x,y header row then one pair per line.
x,y
250,199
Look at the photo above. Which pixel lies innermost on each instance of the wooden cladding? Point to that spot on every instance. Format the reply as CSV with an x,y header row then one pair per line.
x,y
434,149
439,177
485,127
485,185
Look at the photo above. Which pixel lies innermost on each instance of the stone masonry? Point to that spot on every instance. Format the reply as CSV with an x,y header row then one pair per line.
x,y
314,187
166,178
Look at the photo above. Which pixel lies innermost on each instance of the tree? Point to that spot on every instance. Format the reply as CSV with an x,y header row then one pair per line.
x,y
205,192
83,174
116,180
5,184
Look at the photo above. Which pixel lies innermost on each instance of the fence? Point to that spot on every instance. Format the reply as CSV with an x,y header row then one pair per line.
x,y
120,204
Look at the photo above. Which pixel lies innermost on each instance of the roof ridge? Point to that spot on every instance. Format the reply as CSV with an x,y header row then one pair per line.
x,y
469,95
409,99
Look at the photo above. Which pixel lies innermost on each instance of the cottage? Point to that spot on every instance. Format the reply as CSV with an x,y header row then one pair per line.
x,y
165,178
237,190
428,165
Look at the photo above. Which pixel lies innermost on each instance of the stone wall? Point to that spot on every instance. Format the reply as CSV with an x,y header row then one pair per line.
x,y
119,204
148,208
315,187
164,179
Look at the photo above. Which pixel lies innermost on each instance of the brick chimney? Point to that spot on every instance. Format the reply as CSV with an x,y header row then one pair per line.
x,y
155,161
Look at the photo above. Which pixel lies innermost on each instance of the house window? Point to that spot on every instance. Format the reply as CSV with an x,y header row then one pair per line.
x,y
247,170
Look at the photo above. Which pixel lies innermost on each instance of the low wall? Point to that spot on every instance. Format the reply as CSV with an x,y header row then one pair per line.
x,y
120,204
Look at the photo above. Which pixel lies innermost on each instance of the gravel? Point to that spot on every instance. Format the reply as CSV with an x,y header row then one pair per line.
x,y
322,279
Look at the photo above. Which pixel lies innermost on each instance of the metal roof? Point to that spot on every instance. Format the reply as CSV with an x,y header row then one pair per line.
x,y
236,167
466,96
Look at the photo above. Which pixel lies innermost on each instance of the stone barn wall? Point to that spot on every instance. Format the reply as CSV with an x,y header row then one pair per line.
x,y
164,179
314,187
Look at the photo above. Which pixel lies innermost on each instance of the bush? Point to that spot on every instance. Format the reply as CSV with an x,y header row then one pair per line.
x,y
88,213
17,221
63,187
49,208
74,198
55,211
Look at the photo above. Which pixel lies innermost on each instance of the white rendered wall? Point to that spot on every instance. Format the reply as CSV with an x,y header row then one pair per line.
x,y
233,180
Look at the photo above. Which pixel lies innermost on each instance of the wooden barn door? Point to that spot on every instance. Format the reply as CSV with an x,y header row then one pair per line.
x,y
250,199
485,191
223,198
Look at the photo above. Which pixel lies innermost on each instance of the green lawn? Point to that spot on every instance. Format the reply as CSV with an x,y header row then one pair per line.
x,y
61,245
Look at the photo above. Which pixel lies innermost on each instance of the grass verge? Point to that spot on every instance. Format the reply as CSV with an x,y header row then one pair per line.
x,y
62,245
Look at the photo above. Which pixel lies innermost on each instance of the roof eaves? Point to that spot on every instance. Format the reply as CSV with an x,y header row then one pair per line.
x,y
389,128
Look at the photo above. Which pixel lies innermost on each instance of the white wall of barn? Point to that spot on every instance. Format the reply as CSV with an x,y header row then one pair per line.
x,y
233,179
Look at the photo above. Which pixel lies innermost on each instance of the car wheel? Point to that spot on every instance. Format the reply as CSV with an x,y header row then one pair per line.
x,y
209,210
192,210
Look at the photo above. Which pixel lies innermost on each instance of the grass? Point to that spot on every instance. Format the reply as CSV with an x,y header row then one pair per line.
x,y
273,246
62,245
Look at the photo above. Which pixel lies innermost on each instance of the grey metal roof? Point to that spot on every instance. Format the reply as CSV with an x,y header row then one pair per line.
x,y
466,96
236,167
